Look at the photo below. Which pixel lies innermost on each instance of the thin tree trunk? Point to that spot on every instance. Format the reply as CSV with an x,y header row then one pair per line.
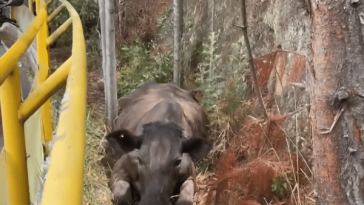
x,y
212,44
337,102
178,25
250,57
109,61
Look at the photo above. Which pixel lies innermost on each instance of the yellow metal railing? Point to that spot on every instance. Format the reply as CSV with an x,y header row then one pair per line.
x,y
65,174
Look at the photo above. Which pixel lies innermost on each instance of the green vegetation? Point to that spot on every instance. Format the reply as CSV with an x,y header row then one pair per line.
x,y
95,179
138,66
165,24
88,11
280,185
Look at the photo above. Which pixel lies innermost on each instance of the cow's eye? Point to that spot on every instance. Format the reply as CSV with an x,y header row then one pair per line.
x,y
178,162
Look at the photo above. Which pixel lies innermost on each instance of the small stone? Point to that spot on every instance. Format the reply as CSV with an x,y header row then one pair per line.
x,y
351,150
361,17
342,95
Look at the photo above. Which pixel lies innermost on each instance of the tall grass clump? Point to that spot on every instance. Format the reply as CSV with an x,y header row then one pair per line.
x,y
223,80
95,181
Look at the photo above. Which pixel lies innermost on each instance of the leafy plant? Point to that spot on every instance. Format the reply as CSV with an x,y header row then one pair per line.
x,y
209,79
165,23
280,185
88,11
138,66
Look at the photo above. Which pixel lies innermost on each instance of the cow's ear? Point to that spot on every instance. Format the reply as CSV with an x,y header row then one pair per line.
x,y
196,147
124,140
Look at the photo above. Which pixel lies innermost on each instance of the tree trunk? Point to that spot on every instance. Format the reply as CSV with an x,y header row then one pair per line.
x,y
337,81
109,61
178,25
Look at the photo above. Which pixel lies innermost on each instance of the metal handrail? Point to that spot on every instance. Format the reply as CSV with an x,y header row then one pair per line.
x,y
65,176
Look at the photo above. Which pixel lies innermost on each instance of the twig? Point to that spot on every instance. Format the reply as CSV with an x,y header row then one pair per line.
x,y
290,159
306,176
250,57
296,111
285,133
275,100
334,123
297,141
313,200
261,149
279,160
276,51
242,27
299,85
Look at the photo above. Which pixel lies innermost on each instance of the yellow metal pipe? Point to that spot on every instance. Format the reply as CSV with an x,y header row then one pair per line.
x,y
20,46
42,93
16,162
55,12
65,175
30,5
43,70
59,31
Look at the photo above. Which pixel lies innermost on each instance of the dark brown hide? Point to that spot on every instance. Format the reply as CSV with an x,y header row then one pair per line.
x,y
160,130
137,109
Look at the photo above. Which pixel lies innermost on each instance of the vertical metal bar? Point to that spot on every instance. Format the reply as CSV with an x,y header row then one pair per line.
x,y
16,165
43,69
30,5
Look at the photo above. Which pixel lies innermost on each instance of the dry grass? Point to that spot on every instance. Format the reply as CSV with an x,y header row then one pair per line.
x,y
95,187
257,154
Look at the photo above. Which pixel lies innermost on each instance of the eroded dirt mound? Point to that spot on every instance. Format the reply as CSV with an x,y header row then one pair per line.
x,y
244,175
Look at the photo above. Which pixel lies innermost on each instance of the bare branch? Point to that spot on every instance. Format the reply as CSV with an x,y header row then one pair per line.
x,y
242,27
334,123
250,57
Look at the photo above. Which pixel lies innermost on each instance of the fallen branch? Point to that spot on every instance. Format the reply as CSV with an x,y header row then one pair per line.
x,y
299,85
282,117
334,123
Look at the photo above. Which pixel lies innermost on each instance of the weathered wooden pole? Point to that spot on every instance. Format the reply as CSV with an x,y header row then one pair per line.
x,y
107,9
178,25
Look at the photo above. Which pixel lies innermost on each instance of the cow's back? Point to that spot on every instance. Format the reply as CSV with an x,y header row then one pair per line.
x,y
153,102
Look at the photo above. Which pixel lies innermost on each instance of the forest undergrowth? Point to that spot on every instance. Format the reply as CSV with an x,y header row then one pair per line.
x,y
254,160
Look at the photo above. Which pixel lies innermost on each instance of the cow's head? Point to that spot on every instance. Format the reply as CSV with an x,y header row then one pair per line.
x,y
160,158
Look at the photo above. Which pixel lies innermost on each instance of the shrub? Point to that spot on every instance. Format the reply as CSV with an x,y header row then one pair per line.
x,y
88,11
138,66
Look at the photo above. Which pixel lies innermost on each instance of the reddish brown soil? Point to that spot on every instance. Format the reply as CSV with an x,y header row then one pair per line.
x,y
298,68
278,59
264,66
95,91
255,156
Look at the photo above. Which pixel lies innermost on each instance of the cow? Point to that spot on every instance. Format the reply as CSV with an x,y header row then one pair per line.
x,y
160,131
